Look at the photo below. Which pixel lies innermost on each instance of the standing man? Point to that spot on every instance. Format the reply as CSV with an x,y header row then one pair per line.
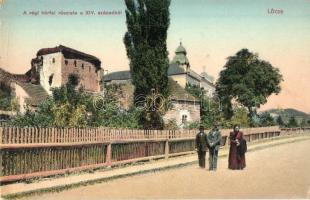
x,y
201,146
214,142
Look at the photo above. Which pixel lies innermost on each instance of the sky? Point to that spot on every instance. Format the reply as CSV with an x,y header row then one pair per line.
x,y
210,30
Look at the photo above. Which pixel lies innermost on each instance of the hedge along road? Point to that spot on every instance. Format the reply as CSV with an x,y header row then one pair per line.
x,y
277,172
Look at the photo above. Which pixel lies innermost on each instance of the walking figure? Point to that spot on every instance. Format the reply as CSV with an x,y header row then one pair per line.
x,y
236,158
214,142
201,146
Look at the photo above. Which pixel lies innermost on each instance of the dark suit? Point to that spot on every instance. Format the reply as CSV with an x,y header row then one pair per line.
x,y
201,146
214,142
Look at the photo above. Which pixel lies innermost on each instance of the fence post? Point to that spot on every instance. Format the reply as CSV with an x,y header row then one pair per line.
x,y
250,137
10,135
109,154
167,149
1,135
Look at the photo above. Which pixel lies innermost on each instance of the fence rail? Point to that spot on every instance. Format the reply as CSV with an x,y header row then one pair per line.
x,y
16,135
39,152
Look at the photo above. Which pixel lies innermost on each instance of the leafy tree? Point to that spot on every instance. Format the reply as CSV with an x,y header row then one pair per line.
x,y
171,125
280,121
195,90
210,107
266,119
68,107
193,125
112,115
145,41
65,108
211,112
41,118
292,122
72,107
303,123
248,80
240,117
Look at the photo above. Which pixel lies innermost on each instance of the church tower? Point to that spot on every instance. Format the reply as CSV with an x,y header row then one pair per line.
x,y
180,58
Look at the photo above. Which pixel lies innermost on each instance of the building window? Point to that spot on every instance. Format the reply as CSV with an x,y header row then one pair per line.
x,y
89,68
74,62
184,119
66,62
82,66
50,79
53,60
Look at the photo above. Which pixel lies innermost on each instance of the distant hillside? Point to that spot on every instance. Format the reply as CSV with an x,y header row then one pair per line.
x,y
289,112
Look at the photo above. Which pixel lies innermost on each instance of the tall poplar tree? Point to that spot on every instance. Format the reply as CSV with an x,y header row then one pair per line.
x,y
145,41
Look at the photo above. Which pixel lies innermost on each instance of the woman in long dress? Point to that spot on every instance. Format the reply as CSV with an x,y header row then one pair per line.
x,y
235,160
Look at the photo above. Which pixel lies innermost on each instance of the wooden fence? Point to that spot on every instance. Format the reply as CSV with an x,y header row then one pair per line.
x,y
40,152
32,135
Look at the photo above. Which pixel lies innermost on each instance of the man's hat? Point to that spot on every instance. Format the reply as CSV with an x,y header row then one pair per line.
x,y
201,127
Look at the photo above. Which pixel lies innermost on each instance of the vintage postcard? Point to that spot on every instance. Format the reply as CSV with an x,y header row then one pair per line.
x,y
154,99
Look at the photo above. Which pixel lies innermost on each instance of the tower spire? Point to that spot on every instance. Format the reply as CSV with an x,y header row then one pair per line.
x,y
204,69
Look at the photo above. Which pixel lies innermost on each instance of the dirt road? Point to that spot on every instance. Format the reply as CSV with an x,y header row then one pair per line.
x,y
277,172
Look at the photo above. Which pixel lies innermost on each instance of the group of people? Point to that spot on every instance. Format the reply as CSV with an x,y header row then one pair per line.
x,y
212,143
